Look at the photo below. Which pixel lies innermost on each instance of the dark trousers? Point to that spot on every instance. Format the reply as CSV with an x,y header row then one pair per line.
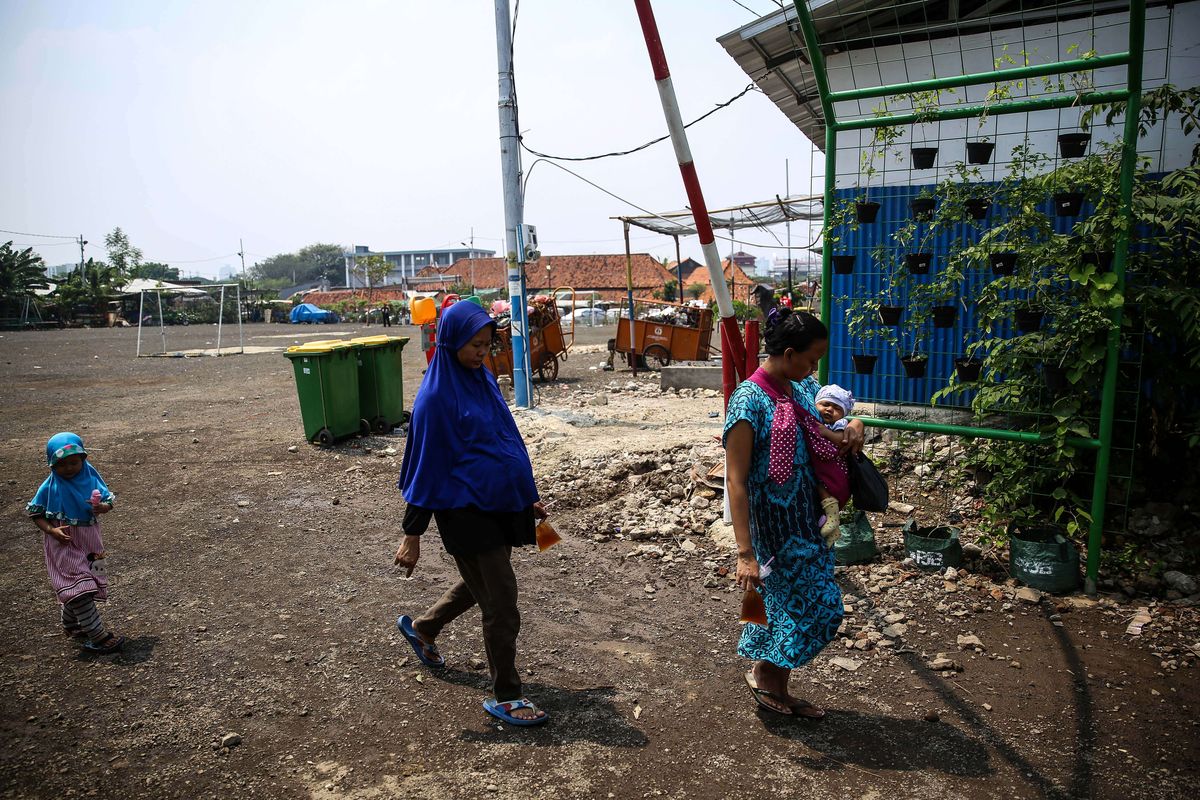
x,y
487,579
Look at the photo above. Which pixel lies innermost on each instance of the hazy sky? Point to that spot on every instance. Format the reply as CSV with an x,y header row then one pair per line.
x,y
287,122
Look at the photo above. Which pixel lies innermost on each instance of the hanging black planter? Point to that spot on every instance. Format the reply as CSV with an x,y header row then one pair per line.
x,y
980,152
1029,319
923,157
944,316
914,366
1003,263
890,315
1101,258
922,208
864,364
977,208
1073,145
968,369
918,263
1055,377
843,265
866,211
1067,204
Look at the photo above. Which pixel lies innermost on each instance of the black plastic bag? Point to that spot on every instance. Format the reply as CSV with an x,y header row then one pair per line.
x,y
868,488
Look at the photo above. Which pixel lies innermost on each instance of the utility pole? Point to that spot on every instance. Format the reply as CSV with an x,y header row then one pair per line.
x,y
242,256
514,205
787,193
471,258
82,242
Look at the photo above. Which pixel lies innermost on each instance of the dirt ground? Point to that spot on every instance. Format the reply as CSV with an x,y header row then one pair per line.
x,y
257,590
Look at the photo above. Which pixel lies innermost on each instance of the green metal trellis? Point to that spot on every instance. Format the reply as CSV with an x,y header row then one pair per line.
x,y
1131,95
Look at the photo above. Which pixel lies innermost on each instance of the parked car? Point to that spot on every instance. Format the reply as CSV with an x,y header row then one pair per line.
x,y
308,313
585,316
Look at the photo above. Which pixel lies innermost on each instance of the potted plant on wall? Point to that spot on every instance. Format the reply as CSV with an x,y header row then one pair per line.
x,y
882,138
913,357
924,104
1075,144
864,329
980,150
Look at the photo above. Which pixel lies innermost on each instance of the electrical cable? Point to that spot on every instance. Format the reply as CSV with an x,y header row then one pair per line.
x,y
652,142
41,235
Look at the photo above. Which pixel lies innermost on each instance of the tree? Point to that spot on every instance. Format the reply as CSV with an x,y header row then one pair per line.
x,y
373,268
122,255
21,271
311,263
92,290
153,270
695,290
668,291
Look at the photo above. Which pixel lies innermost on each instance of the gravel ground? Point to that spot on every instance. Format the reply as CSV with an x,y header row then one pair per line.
x,y
257,589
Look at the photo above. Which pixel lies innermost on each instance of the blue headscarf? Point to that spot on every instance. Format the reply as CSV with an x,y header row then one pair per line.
x,y
68,500
463,445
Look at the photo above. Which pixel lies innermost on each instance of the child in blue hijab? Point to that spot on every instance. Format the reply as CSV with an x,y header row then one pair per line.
x,y
465,465
66,510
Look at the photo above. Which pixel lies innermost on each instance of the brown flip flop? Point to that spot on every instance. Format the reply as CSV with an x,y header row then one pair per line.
x,y
760,693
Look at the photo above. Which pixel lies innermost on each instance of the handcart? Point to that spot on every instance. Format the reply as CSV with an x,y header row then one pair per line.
x,y
545,339
664,332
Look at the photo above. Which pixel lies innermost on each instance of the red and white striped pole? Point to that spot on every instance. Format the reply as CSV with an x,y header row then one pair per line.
x,y
733,350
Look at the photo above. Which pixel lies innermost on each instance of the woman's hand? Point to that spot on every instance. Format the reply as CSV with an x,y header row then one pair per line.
x,y
103,508
747,571
59,532
408,554
539,510
852,438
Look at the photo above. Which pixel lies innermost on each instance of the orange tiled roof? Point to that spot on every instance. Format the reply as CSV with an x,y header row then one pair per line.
x,y
604,274
743,284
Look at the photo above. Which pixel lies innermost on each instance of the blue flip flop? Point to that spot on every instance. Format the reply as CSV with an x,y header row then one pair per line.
x,y
503,711
115,643
405,624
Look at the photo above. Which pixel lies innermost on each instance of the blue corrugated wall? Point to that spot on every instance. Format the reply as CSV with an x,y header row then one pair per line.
x,y
889,384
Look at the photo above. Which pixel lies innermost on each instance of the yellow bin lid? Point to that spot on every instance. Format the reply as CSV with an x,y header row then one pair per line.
x,y
373,341
317,348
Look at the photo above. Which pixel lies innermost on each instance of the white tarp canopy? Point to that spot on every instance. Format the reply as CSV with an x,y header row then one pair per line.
x,y
139,285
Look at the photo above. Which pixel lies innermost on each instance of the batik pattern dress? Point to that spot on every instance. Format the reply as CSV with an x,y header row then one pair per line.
x,y
803,601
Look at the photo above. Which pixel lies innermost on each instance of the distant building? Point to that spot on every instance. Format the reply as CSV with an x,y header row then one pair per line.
x,y
408,263
802,268
61,270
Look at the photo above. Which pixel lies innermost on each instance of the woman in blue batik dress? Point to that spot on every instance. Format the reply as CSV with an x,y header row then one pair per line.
x,y
772,495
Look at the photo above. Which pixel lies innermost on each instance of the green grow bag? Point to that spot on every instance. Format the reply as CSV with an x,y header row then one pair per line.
x,y
933,548
1043,558
857,543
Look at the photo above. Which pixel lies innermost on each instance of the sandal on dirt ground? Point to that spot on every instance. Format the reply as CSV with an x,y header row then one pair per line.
x,y
111,643
759,694
426,651
503,711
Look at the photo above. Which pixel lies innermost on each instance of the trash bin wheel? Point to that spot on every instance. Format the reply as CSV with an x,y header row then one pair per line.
x,y
405,417
324,437
364,427
380,425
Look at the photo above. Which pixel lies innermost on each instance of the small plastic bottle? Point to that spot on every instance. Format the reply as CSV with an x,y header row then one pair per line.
x,y
96,498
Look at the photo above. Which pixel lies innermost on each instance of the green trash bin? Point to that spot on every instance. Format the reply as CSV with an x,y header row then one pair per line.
x,y
856,545
381,380
327,384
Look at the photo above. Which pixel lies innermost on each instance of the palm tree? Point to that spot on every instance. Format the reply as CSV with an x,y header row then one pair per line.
x,y
21,271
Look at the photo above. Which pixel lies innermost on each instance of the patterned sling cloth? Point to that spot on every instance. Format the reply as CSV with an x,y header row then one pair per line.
x,y
829,467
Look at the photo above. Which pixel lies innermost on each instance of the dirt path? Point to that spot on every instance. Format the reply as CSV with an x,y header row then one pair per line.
x,y
257,588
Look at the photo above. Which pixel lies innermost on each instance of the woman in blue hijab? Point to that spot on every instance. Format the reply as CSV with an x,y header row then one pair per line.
x,y
466,466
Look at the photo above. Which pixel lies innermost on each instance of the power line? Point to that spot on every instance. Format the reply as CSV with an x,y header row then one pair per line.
x,y
751,87
39,235
685,230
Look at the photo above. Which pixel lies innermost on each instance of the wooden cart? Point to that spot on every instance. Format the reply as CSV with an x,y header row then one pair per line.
x,y
664,332
546,341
